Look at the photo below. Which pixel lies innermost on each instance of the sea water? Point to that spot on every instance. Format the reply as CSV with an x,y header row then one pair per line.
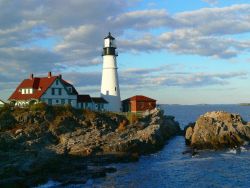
x,y
170,168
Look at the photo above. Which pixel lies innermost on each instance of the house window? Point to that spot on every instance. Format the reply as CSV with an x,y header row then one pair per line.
x,y
57,101
52,91
59,91
63,101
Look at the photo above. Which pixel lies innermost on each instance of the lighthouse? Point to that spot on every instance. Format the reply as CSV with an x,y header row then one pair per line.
x,y
110,90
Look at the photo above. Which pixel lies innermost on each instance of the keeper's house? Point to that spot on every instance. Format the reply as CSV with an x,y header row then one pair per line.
x,y
53,90
138,103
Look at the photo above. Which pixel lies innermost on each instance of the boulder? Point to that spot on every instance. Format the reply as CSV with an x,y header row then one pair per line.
x,y
216,130
147,135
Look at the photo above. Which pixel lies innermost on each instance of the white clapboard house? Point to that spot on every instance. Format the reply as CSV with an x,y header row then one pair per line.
x,y
53,90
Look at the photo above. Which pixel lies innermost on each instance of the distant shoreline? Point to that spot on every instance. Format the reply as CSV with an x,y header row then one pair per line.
x,y
239,104
244,104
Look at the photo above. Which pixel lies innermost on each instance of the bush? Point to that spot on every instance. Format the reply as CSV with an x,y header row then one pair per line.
x,y
132,117
38,107
90,115
5,108
7,120
122,125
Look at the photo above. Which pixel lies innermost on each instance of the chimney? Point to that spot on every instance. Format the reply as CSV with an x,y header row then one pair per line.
x,y
49,74
31,76
60,76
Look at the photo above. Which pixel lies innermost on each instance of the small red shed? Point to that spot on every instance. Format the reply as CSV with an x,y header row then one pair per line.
x,y
138,103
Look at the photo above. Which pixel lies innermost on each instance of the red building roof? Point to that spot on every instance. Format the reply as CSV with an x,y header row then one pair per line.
x,y
140,98
39,86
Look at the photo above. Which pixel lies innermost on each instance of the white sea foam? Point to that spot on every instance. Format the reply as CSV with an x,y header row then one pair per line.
x,y
49,184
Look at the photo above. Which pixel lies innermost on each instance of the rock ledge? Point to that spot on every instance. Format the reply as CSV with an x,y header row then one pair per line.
x,y
217,130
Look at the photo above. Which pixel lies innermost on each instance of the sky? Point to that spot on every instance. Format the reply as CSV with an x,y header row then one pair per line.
x,y
175,51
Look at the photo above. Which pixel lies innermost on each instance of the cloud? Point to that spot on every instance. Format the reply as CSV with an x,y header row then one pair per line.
x,y
78,28
204,32
188,42
202,79
143,19
162,76
217,21
211,2
74,30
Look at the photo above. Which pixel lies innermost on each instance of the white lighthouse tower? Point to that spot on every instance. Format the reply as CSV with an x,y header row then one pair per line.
x,y
110,90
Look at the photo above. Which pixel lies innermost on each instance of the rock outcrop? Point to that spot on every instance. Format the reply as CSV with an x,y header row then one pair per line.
x,y
217,130
64,144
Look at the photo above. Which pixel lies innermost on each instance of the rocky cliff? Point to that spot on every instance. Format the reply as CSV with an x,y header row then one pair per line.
x,y
71,146
217,130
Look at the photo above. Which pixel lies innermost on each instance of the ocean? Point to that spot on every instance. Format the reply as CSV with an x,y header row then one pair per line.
x,y
170,168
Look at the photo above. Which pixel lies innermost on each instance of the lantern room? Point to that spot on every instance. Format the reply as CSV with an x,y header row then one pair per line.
x,y
109,41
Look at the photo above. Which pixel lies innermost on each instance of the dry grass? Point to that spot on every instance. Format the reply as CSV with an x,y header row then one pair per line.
x,y
123,125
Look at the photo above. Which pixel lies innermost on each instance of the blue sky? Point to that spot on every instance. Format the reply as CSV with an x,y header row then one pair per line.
x,y
176,51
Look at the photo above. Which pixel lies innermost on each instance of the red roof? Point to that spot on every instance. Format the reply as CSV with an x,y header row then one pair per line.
x,y
39,86
140,98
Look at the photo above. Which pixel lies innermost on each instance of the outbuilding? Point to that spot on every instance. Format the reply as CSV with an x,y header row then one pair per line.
x,y
138,103
99,103
85,102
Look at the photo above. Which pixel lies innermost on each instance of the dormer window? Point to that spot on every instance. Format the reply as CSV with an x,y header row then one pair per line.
x,y
57,82
26,91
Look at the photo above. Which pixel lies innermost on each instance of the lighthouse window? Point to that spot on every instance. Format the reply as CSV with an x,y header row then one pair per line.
x,y
115,88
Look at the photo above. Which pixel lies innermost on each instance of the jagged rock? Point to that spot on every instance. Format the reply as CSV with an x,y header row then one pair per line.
x,y
218,130
46,141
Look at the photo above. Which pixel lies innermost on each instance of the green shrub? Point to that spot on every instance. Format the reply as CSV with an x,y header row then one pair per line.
x,y
90,115
38,107
7,120
5,108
